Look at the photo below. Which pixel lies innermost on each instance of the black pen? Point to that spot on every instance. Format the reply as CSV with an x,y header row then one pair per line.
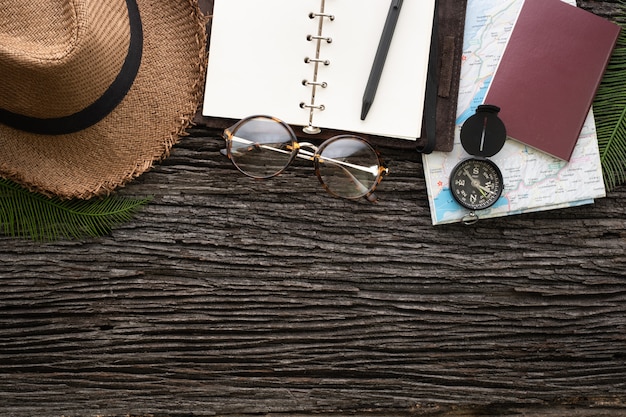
x,y
381,56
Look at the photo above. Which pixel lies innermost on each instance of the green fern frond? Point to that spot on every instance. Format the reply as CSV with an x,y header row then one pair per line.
x,y
609,109
32,215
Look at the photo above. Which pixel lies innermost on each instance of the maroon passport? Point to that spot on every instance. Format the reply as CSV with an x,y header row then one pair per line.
x,y
549,73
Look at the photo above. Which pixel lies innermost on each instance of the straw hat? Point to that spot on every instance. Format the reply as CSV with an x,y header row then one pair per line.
x,y
92,92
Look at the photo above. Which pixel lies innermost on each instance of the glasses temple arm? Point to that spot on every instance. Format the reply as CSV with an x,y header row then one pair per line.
x,y
304,154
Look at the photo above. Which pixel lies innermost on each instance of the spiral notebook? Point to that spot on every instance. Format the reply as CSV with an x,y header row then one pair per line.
x,y
308,61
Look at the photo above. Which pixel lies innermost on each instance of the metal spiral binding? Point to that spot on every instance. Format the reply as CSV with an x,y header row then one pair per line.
x,y
321,38
313,15
312,106
308,60
322,84
303,105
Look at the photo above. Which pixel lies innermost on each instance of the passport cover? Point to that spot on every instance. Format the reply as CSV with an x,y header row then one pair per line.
x,y
549,73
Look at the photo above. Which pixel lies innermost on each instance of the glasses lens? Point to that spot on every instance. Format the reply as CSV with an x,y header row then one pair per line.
x,y
348,167
262,147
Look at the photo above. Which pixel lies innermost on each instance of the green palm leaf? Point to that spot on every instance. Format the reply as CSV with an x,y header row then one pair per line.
x,y
609,109
32,215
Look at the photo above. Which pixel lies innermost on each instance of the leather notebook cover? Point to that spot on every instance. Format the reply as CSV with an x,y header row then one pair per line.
x,y
549,73
447,55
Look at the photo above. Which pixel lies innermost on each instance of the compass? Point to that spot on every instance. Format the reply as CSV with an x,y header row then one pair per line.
x,y
476,183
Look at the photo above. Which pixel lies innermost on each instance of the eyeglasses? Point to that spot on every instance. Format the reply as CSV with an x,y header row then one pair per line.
x,y
264,146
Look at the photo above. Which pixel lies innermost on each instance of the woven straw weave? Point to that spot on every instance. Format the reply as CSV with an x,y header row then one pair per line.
x,y
64,58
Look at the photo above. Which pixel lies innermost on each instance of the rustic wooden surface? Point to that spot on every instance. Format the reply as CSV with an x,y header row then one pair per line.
x,y
227,296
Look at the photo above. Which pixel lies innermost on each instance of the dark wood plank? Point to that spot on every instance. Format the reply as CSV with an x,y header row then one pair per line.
x,y
233,296
227,296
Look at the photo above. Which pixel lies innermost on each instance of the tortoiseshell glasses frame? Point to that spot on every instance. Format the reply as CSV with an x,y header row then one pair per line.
x,y
262,147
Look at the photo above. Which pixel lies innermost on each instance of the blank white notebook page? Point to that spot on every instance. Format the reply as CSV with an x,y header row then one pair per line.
x,y
257,63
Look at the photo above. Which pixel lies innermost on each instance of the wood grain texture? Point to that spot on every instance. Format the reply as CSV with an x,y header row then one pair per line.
x,y
227,296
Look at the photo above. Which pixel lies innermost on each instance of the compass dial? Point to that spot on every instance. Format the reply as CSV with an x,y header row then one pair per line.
x,y
476,183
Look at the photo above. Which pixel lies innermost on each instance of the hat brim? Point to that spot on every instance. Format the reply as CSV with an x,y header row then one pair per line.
x,y
140,131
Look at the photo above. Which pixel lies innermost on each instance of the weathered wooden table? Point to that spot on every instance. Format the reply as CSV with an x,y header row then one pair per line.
x,y
227,296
